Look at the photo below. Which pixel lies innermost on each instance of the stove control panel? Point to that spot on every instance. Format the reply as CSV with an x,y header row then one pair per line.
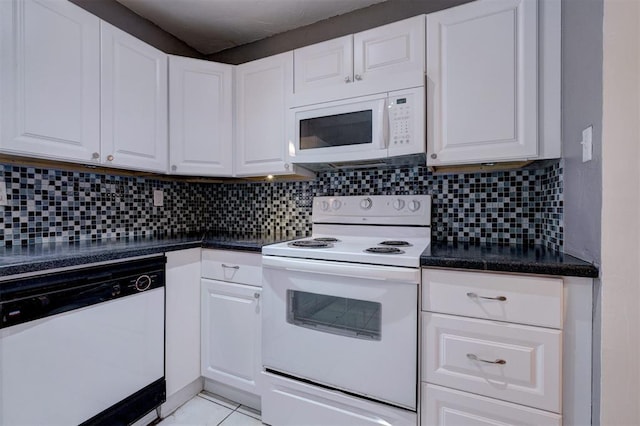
x,y
373,209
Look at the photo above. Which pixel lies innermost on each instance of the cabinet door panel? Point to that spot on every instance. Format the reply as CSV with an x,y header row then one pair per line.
x,y
324,64
50,80
482,82
200,117
134,102
392,55
263,88
182,335
231,333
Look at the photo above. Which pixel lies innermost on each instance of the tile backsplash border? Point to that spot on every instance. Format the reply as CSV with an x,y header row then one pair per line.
x,y
523,206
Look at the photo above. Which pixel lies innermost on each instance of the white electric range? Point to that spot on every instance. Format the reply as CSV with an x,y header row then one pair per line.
x,y
340,313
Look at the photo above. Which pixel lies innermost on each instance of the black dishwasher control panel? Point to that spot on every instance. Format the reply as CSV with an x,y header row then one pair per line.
x,y
28,299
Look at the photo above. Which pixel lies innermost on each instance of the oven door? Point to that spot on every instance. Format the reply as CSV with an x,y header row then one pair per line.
x,y
348,326
354,129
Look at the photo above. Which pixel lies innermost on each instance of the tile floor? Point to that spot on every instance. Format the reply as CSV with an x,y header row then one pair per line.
x,y
206,409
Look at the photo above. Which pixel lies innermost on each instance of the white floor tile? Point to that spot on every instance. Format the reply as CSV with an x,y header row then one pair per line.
x,y
219,400
239,419
249,412
197,412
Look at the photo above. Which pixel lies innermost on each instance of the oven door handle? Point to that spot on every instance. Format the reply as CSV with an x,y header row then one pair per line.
x,y
343,269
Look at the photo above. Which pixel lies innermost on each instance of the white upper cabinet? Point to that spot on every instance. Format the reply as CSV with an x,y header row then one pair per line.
x,y
200,117
263,90
49,90
133,102
484,88
386,58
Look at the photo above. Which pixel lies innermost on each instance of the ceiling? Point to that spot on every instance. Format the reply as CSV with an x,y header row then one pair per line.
x,y
210,26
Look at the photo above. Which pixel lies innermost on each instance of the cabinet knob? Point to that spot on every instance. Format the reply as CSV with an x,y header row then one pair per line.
x,y
347,79
95,155
434,156
174,168
109,157
256,295
358,77
286,166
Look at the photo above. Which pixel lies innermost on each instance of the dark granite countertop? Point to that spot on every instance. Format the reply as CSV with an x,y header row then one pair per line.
x,y
40,257
526,260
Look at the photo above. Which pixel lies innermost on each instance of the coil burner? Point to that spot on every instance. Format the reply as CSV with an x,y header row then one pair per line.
x,y
310,244
327,239
395,243
384,250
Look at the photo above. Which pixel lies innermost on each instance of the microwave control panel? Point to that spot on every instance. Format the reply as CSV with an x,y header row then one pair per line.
x,y
400,120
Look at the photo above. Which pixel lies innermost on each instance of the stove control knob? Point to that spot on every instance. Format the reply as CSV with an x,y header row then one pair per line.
x,y
414,205
336,204
366,203
325,206
398,204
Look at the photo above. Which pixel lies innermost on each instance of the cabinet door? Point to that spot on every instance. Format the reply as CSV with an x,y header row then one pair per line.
x,y
231,334
134,102
263,88
323,65
482,62
391,55
200,117
50,87
182,340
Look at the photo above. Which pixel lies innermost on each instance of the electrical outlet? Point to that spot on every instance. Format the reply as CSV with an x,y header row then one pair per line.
x,y
3,194
158,198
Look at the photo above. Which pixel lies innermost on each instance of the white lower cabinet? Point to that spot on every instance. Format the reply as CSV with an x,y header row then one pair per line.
x,y
485,358
230,314
292,403
449,407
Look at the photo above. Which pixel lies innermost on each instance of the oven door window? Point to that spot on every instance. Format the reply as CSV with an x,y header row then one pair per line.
x,y
354,318
352,128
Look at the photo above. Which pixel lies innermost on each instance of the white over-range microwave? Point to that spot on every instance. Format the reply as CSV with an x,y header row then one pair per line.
x,y
359,129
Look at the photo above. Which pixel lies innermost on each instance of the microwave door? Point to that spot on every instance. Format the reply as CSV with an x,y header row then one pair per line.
x,y
341,132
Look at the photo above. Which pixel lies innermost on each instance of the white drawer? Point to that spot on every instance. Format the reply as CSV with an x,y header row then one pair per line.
x,y
522,364
232,266
500,297
448,407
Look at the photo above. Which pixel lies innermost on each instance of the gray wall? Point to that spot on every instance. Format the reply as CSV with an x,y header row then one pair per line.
x,y
582,106
349,23
123,18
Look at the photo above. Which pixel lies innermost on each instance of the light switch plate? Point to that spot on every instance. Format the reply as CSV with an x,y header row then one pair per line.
x,y
587,144
158,198
4,201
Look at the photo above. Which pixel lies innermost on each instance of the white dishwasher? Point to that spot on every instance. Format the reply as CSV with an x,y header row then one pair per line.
x,y
83,346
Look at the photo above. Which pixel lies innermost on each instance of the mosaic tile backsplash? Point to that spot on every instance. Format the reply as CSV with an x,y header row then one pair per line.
x,y
522,207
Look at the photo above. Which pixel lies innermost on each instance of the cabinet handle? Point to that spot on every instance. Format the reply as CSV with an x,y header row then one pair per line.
x,y
499,298
434,156
474,357
95,155
358,77
286,166
109,157
174,168
347,79
256,295
230,267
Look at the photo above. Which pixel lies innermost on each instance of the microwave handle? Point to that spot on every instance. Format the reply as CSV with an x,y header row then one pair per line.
x,y
386,123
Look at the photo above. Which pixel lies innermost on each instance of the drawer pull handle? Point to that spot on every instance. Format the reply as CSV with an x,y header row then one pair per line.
x,y
500,298
230,267
474,357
